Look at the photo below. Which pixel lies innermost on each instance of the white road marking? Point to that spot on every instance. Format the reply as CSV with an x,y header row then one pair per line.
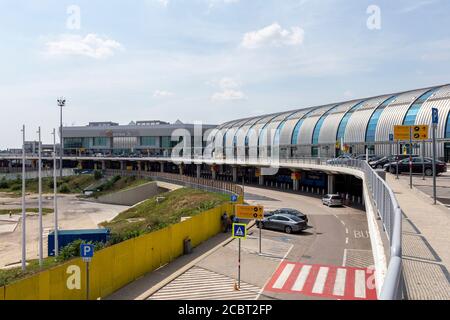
x,y
284,276
301,279
346,240
320,280
344,260
360,284
339,283
346,230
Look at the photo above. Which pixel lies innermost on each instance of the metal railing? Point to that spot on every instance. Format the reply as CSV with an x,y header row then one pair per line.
x,y
390,213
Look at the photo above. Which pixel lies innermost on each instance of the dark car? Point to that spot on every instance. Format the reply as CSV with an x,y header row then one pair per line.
x,y
372,157
283,222
379,164
417,166
288,211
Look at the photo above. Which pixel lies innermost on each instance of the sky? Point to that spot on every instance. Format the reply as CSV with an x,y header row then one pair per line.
x,y
208,60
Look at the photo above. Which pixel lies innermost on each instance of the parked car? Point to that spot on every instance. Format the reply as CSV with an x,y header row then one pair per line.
x,y
283,222
287,211
417,166
341,157
332,200
379,164
372,157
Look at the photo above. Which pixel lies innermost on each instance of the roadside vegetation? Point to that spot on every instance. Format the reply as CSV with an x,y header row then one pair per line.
x,y
114,184
67,185
154,214
29,210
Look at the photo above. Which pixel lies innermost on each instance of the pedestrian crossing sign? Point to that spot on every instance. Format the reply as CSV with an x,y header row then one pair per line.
x,y
239,231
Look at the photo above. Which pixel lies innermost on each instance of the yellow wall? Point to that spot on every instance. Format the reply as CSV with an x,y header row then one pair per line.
x,y
116,266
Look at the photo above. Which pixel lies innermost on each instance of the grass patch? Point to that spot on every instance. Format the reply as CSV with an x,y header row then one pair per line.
x,y
150,215
118,183
33,210
68,185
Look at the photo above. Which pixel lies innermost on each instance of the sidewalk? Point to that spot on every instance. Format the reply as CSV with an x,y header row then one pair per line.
x,y
426,243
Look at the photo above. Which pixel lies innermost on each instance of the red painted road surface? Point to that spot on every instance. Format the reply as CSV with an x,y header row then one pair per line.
x,y
343,283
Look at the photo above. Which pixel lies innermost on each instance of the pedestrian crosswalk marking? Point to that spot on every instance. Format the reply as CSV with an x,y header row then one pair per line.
x,y
301,279
284,276
333,282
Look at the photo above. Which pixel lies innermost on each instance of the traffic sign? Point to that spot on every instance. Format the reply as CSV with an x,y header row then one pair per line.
x,y
391,137
239,231
419,132
435,116
250,212
234,198
87,251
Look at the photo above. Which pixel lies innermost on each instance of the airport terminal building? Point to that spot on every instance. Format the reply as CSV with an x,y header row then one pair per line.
x,y
329,130
140,138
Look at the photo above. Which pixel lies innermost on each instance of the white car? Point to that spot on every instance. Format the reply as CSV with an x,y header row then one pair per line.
x,y
332,200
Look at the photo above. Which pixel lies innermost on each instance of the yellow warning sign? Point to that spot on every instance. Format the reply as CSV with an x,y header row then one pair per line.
x,y
417,132
250,212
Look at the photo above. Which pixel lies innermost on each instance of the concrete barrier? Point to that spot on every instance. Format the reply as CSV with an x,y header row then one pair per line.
x,y
130,197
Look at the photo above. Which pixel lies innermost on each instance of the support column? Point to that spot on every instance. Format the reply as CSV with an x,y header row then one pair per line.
x,y
235,174
139,167
214,169
103,165
261,180
161,166
10,165
296,180
181,169
296,185
331,184
199,171
123,165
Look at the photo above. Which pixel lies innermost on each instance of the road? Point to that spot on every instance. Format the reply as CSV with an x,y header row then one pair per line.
x,y
328,261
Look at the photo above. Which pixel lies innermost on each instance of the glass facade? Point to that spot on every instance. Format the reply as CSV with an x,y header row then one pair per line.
x,y
410,118
344,121
373,122
149,141
73,143
316,134
125,142
296,132
100,141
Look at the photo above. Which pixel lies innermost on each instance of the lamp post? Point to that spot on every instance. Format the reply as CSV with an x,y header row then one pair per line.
x,y
24,213
61,104
41,251
55,199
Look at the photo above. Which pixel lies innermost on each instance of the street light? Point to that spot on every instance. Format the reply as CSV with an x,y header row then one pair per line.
x,y
61,104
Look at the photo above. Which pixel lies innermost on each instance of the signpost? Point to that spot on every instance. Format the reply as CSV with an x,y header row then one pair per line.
x,y
250,213
87,253
391,141
410,133
435,121
239,232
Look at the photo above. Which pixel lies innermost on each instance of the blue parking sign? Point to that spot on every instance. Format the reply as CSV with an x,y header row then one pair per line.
x,y
234,198
86,251
435,116
391,137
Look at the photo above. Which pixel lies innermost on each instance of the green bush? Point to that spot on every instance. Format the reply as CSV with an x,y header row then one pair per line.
x,y
98,175
64,188
72,250
4,184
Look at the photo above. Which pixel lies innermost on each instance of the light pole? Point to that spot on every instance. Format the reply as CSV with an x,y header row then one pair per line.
x,y
41,251
24,213
55,199
61,104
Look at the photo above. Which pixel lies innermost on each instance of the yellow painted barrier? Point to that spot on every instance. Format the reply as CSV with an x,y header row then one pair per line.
x,y
114,267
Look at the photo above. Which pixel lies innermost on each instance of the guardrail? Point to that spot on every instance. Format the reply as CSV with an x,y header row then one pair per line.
x,y
390,213
196,183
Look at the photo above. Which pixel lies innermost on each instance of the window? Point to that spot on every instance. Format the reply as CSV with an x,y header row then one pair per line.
x,y
411,115
73,143
296,132
148,141
315,139
344,121
100,142
373,122
125,142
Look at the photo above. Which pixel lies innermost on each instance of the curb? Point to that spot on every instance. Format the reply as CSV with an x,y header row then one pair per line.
x,y
176,274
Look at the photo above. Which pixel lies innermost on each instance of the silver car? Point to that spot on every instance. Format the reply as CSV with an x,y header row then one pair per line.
x,y
332,200
281,222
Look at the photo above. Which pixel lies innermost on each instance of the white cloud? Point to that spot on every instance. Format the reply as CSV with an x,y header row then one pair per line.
x,y
273,35
162,94
418,5
229,90
164,3
91,45
213,3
